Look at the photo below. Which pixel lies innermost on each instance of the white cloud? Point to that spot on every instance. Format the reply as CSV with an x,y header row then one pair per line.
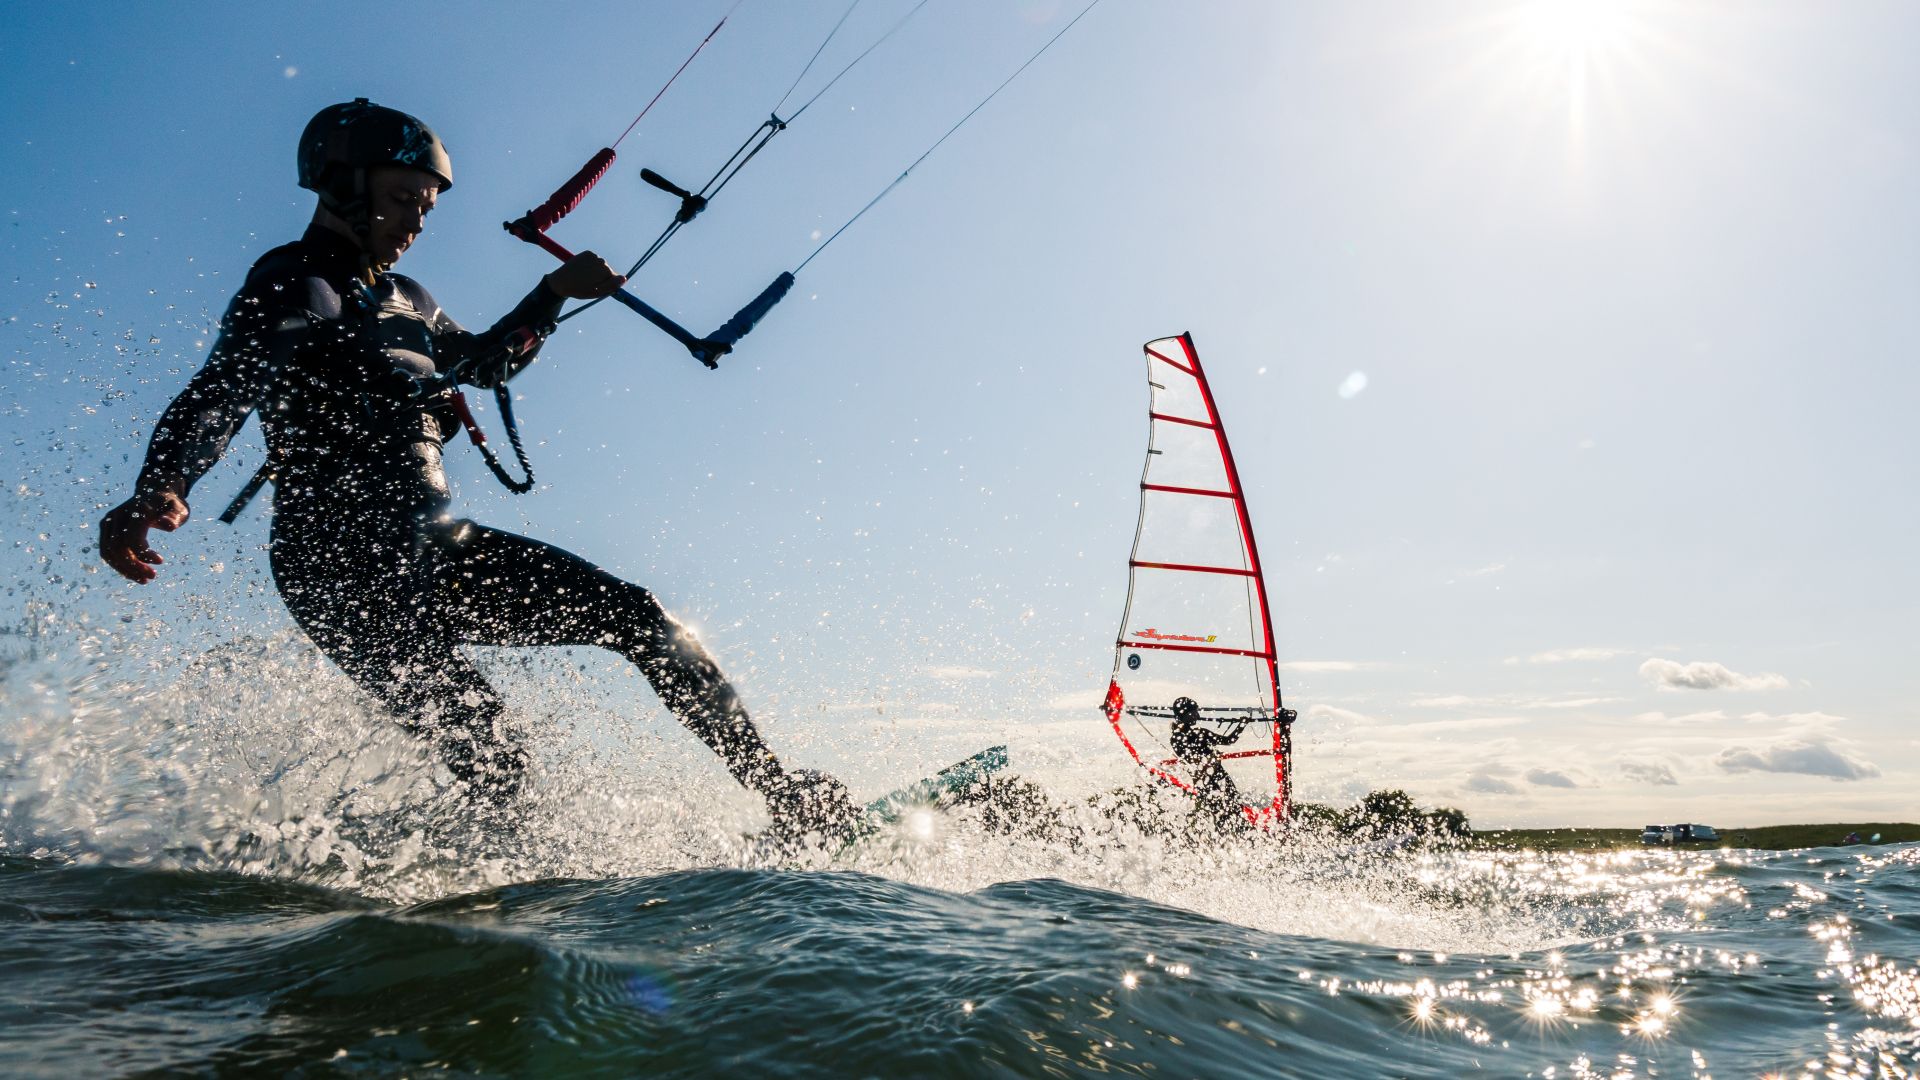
x,y
1076,701
1488,784
1714,716
1648,772
1467,723
1550,778
1446,701
1339,715
1562,656
956,674
1482,571
1814,725
1810,757
1706,675
1507,701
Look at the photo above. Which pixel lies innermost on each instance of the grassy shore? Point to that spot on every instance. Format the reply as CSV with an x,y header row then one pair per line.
x,y
1765,837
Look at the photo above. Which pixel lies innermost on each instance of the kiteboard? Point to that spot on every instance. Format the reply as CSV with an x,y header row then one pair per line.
x,y
1196,644
888,809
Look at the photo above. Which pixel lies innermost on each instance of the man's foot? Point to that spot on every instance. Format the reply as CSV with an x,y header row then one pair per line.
x,y
805,802
494,776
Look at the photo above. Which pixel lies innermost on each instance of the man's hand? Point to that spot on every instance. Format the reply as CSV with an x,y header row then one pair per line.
x,y
123,532
586,276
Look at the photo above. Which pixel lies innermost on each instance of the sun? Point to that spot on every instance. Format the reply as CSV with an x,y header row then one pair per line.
x,y
1567,50
1575,31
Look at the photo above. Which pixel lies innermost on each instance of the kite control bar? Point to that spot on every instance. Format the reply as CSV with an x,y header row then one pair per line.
x,y
690,204
532,228
533,225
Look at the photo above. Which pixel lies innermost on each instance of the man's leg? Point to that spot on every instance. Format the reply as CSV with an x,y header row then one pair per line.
x,y
1217,805
501,589
386,640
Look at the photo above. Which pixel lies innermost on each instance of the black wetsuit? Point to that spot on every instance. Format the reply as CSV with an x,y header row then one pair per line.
x,y
1216,798
365,552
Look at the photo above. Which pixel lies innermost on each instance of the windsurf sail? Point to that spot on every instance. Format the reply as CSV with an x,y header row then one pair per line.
x,y
1197,625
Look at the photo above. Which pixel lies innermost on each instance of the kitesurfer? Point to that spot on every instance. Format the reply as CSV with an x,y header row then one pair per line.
x,y
346,364
1217,804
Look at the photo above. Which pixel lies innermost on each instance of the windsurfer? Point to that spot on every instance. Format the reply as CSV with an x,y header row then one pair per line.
x,y
338,355
1217,805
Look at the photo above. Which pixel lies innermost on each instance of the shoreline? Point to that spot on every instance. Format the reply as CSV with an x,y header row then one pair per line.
x,y
1759,838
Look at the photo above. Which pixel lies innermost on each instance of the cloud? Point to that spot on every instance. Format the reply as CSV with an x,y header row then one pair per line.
x,y
1549,778
1714,716
1075,701
1488,784
1808,757
1318,711
1645,772
1481,571
1507,701
1465,723
1810,725
882,707
954,673
1562,656
1706,675
1322,665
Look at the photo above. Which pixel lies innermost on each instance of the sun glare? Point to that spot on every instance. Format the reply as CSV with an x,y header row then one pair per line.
x,y
1566,50
1574,30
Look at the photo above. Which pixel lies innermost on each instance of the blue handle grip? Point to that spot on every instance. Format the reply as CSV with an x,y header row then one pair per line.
x,y
743,320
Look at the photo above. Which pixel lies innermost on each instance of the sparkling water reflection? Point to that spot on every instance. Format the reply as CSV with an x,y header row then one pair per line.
x,y
278,884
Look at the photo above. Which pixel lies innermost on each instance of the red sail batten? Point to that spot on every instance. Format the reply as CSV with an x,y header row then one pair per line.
x,y
1171,419
1216,649
1170,360
1187,490
1233,571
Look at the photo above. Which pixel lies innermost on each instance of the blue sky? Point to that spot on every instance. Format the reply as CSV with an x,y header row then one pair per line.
x,y
1618,528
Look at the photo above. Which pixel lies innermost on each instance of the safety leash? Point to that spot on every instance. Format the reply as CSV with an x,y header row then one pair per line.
x,y
479,439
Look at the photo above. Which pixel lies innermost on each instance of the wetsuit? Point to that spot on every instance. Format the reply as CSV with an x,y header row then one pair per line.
x,y
1216,799
366,555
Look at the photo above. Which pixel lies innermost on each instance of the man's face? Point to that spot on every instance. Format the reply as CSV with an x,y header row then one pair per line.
x,y
400,197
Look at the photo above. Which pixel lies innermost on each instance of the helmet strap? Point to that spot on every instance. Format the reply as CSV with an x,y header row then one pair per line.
x,y
348,201
347,198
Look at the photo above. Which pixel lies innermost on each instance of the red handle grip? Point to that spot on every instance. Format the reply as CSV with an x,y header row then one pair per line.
x,y
540,240
467,421
564,200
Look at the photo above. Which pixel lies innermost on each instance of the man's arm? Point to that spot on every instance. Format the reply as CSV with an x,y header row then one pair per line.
x,y
1223,738
586,276
193,433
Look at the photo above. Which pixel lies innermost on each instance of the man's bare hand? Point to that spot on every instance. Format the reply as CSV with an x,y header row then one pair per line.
x,y
123,532
586,276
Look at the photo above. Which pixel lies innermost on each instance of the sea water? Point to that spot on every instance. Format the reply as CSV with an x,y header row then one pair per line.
x,y
243,875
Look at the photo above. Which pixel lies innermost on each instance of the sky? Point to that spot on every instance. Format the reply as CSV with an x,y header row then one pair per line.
x,y
1566,347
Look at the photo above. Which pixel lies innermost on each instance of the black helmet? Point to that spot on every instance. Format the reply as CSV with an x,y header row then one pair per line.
x,y
343,141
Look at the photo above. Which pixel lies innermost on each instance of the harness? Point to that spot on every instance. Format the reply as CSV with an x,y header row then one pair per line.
x,y
440,390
